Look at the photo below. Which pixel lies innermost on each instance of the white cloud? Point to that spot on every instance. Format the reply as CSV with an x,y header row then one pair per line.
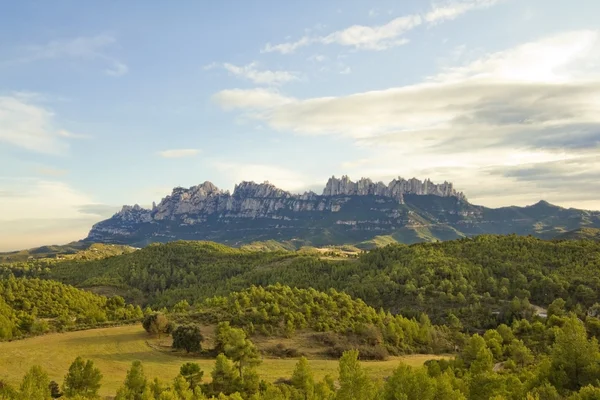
x,y
30,126
376,37
346,71
260,77
50,171
381,37
542,97
250,99
178,153
83,48
117,69
287,48
358,36
453,9
37,212
283,178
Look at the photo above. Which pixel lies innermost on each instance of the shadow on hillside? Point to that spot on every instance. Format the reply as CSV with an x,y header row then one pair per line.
x,y
106,339
131,356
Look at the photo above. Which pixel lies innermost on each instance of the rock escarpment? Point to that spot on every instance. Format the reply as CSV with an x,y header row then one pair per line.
x,y
346,212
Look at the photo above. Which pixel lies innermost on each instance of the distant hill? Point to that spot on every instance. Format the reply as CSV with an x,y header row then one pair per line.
x,y
74,251
364,213
581,233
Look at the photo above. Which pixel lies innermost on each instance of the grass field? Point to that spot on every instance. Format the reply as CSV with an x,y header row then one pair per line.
x,y
113,350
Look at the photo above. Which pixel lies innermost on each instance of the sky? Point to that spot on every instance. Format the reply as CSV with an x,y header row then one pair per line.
x,y
111,103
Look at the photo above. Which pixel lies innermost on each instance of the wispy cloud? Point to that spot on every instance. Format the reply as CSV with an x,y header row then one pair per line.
x,y
51,171
179,153
36,212
381,37
281,177
28,125
82,48
260,77
541,96
358,36
453,9
117,69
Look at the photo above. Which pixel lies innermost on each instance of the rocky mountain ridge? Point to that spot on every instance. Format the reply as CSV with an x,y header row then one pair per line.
x,y
345,212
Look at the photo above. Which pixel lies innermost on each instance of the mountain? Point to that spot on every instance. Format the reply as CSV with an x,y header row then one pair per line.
x,y
580,233
347,212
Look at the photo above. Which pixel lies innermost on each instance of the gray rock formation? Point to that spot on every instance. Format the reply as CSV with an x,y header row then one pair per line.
x,y
396,189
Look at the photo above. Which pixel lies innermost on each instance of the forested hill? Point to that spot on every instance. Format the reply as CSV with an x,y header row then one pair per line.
x,y
35,306
477,279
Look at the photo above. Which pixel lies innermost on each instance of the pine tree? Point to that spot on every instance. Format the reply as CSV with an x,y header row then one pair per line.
x,y
83,379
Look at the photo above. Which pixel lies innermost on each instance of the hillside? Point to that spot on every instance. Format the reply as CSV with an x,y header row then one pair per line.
x,y
581,233
347,212
34,306
472,277
114,349
71,251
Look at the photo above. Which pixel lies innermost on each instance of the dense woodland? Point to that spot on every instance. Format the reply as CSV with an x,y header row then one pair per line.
x,y
31,306
475,279
473,298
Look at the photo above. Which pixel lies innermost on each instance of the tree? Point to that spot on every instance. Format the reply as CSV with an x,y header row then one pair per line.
x,y
519,353
187,337
354,382
192,373
575,359
156,323
224,376
135,384
472,349
234,344
409,384
35,385
83,379
54,390
181,307
303,379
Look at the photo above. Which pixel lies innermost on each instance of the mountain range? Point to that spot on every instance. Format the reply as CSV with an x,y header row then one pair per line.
x,y
346,212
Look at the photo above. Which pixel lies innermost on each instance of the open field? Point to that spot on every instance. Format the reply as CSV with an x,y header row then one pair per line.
x,y
113,350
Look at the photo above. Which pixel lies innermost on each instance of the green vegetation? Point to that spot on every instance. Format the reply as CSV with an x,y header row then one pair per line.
x,y
71,251
488,367
114,349
35,306
520,315
581,233
483,281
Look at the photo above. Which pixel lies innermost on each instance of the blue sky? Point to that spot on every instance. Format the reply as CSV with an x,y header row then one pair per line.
x,y
111,103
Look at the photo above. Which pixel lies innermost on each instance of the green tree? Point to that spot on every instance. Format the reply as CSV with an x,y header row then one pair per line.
x,y
35,385
187,337
575,359
54,390
224,376
83,379
354,382
407,383
135,386
303,379
234,344
156,324
192,373
519,353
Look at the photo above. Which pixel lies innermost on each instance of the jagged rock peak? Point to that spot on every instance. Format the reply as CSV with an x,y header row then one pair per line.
x,y
396,188
252,189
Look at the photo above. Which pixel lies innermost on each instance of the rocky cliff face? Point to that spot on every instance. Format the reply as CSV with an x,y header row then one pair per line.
x,y
396,189
345,212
